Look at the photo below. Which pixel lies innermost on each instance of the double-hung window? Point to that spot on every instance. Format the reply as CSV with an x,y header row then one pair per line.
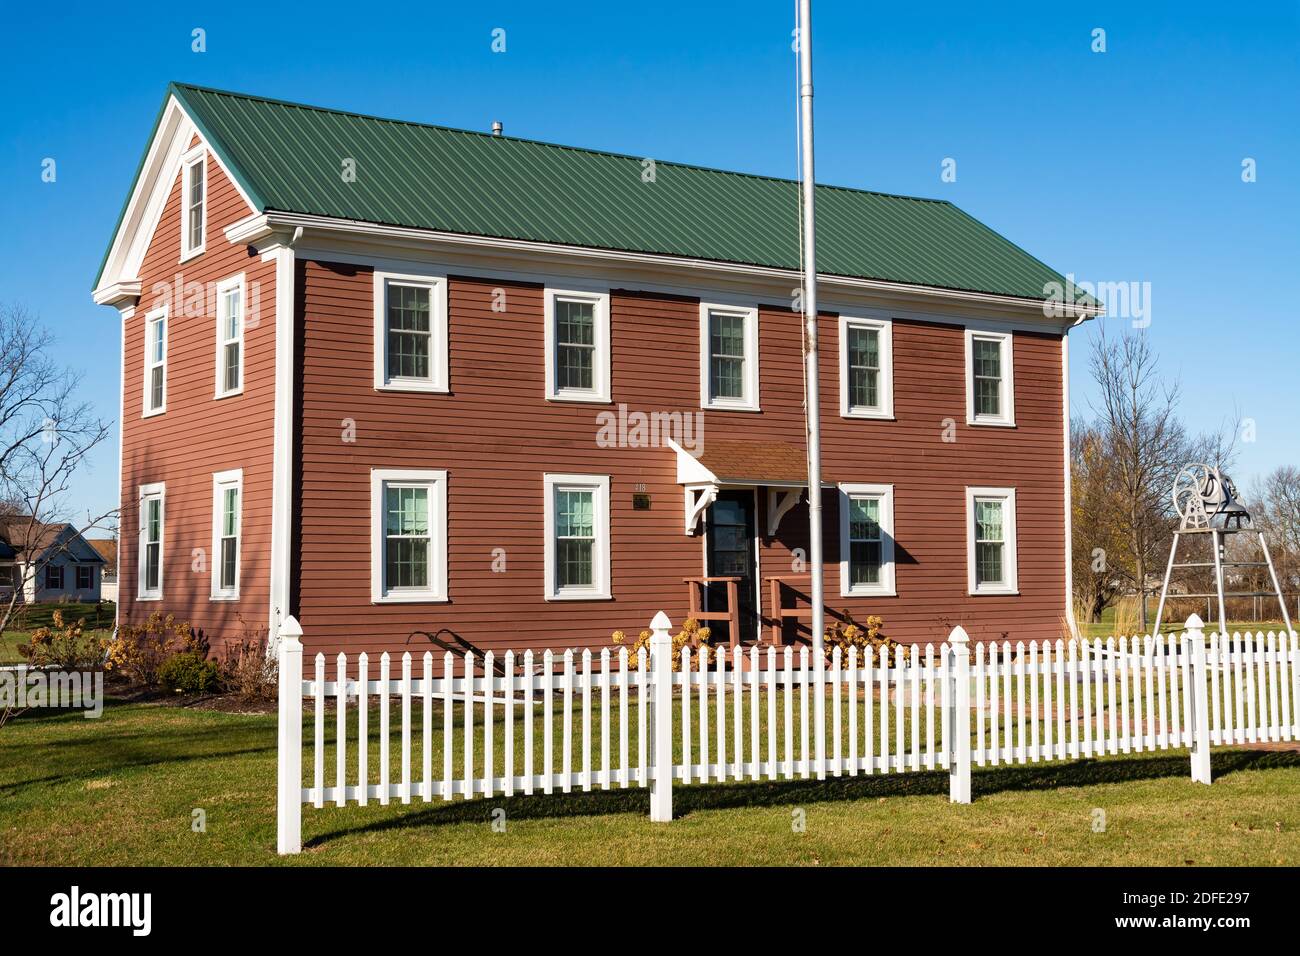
x,y
866,539
230,336
227,509
194,191
728,357
409,535
990,389
85,577
150,584
411,332
577,346
54,577
155,362
866,368
991,540
577,537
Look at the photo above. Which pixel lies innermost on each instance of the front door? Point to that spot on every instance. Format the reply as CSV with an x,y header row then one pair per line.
x,y
729,536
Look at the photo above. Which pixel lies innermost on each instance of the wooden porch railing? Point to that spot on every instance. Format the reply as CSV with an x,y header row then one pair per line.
x,y
778,613
695,588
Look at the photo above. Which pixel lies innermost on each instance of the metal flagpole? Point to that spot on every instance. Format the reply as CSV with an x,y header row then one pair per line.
x,y
812,412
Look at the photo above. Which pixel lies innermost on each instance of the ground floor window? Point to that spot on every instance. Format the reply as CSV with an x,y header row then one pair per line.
x,y
991,540
151,542
409,535
85,577
577,536
866,539
227,509
54,577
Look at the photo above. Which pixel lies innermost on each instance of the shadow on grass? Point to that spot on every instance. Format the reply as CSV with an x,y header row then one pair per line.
x,y
687,799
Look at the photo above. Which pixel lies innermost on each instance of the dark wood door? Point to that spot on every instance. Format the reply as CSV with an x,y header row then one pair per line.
x,y
730,549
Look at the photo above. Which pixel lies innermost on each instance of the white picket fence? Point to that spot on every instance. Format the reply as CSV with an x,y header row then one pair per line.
x,y
558,722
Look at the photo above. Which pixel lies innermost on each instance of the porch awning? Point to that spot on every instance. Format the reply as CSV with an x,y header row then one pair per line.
x,y
779,466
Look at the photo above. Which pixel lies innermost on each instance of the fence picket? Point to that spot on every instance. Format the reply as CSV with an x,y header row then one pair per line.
x,y
586,720
318,720
1126,729
979,705
548,722
900,705
945,695
773,757
755,770
1034,717
686,714
995,703
448,674
623,721
884,710
720,688
566,773
1248,666
836,726
363,728
1049,716
467,781
705,728
489,715
737,712
1099,693
869,708
914,676
852,696
508,723
426,715
1008,718
804,761
1286,669
1274,731
528,722
340,729
1175,660
406,727
1021,751
929,707
642,721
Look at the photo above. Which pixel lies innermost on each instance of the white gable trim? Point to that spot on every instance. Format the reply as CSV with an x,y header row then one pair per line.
x,y
162,164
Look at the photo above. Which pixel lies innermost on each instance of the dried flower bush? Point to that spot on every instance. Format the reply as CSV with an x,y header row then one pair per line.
x,y
64,645
139,650
246,669
691,634
849,633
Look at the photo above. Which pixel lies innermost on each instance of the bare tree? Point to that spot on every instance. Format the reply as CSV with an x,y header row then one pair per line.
x,y
1275,510
1096,542
1144,444
45,435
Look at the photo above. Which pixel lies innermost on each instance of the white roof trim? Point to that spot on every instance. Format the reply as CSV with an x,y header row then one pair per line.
x,y
690,470
148,198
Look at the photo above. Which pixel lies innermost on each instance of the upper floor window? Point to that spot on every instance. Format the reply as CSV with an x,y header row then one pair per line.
x,y
54,577
151,542
409,535
230,336
990,391
577,537
155,361
227,508
866,368
410,332
991,540
194,189
577,346
728,357
866,539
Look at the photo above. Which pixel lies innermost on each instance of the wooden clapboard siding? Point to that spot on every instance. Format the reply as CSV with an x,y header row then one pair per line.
x,y
197,434
496,436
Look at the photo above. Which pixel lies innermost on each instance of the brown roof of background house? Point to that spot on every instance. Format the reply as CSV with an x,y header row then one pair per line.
x,y
23,533
107,548
756,461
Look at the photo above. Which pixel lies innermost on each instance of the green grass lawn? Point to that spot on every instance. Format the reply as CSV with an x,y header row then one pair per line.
x,y
123,790
1106,626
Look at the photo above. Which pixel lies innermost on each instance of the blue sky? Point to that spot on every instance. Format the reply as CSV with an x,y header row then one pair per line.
x,y
1122,166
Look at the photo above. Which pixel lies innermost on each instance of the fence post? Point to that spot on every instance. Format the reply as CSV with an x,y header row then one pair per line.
x,y
1200,710
288,816
661,670
959,719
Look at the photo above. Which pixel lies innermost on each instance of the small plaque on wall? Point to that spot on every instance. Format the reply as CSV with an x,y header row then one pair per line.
x,y
640,501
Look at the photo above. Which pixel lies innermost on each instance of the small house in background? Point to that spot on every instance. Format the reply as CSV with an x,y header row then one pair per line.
x,y
47,562
107,549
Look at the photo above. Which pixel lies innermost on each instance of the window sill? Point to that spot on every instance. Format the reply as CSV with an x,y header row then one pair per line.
x,y
995,592
730,408
155,413
870,416
220,395
148,597
874,592
580,596
192,254
587,399
400,386
225,598
990,423
422,598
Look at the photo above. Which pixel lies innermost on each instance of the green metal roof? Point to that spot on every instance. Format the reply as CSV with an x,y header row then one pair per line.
x,y
288,157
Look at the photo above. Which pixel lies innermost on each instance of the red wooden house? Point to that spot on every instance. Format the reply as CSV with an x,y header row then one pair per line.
x,y
390,377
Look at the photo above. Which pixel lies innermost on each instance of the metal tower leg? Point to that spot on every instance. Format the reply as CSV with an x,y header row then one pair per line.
x,y
1286,618
1164,590
1216,538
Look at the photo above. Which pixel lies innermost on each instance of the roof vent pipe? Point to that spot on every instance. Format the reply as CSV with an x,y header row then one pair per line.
x,y
496,127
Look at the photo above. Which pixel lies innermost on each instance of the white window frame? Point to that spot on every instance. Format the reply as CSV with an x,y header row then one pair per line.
x,y
886,586
223,287
146,492
748,402
63,578
600,376
1011,584
885,330
195,157
436,481
89,568
221,482
438,378
160,313
600,558
1007,397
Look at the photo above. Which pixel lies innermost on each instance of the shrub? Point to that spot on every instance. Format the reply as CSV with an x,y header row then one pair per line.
x,y
139,650
64,645
691,633
862,636
246,670
189,673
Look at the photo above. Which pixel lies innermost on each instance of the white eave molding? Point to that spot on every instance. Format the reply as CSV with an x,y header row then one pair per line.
x,y
162,164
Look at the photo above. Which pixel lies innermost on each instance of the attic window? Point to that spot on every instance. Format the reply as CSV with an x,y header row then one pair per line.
x,y
194,191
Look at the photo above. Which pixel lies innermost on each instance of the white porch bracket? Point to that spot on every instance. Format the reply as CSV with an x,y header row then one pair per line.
x,y
698,499
780,501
